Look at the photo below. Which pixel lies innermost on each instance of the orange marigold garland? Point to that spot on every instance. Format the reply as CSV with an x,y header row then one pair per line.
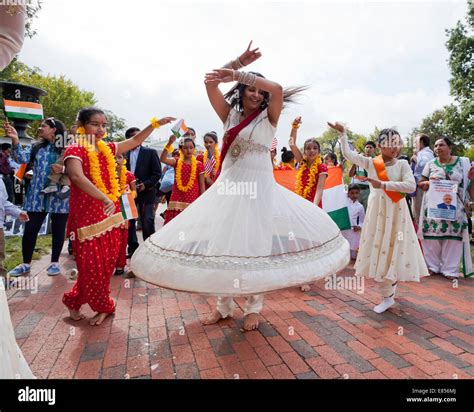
x,y
313,172
115,188
179,174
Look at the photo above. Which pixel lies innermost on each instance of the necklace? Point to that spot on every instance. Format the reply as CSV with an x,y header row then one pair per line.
x,y
95,171
445,163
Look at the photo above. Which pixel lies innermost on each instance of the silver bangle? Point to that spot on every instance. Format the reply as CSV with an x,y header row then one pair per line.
x,y
249,79
235,64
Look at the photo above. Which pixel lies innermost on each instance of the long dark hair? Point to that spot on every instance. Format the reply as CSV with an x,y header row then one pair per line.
x,y
332,156
212,135
186,140
235,99
85,114
60,140
287,155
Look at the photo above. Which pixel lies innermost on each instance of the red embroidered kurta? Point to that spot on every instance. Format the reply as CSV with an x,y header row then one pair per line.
x,y
97,253
180,200
213,175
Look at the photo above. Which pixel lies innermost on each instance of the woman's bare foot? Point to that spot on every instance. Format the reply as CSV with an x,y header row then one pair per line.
x,y
251,321
98,319
305,288
76,315
213,318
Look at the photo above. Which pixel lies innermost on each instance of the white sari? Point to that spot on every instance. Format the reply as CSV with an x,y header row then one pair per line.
x,y
12,22
12,363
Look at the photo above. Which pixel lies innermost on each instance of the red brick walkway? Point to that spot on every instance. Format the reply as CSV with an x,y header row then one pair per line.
x,y
157,333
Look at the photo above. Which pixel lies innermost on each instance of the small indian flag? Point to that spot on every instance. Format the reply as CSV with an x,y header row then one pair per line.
x,y
179,129
127,204
335,199
21,172
23,110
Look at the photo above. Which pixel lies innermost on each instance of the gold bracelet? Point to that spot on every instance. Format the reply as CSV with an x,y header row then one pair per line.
x,y
295,126
155,123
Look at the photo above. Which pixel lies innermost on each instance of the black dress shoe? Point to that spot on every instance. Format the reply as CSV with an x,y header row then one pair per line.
x,y
119,272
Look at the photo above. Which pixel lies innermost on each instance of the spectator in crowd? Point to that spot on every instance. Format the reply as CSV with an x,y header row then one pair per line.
x,y
40,159
422,155
145,165
6,170
359,175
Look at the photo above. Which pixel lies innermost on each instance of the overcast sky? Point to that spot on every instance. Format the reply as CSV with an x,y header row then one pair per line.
x,y
367,63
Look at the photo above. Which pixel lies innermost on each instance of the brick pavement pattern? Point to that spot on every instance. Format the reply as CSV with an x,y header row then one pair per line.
x,y
322,334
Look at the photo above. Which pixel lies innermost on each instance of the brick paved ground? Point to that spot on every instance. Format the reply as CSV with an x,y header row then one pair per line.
x,y
330,334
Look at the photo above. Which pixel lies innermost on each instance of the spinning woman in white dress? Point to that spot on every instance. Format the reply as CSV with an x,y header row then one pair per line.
x,y
12,363
246,235
12,22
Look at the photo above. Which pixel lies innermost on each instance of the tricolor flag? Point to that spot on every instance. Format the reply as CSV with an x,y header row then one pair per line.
x,y
274,144
21,172
179,129
127,204
286,178
23,110
210,163
335,199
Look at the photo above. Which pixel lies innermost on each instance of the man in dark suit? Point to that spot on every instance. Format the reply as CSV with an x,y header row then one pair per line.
x,y
447,200
145,165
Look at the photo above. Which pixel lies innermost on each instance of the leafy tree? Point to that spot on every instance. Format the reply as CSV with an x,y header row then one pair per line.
x,y
116,127
32,9
457,120
64,98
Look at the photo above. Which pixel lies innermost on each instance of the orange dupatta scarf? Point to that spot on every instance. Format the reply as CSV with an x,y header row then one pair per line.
x,y
382,175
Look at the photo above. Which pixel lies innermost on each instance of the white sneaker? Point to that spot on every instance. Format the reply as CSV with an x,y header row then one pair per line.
x,y
386,303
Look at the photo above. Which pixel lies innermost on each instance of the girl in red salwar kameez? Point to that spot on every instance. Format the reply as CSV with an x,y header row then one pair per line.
x,y
312,171
211,156
189,180
95,220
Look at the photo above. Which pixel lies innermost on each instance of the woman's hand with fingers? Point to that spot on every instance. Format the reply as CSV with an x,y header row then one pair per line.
x,y
221,76
166,120
11,132
337,126
424,185
377,184
109,206
297,121
172,139
249,56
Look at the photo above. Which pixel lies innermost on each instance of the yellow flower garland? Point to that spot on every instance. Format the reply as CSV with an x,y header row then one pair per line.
x,y
192,177
123,177
313,172
216,156
95,172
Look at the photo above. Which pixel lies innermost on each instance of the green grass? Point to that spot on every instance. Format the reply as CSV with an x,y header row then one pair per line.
x,y
13,250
